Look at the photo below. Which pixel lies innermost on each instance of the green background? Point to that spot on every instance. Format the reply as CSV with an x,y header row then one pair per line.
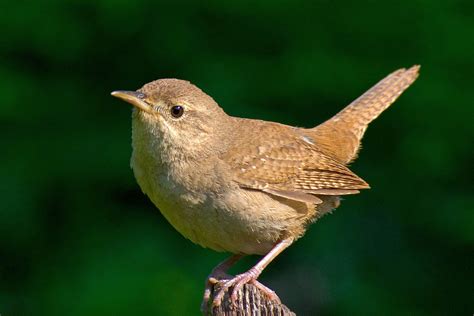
x,y
77,236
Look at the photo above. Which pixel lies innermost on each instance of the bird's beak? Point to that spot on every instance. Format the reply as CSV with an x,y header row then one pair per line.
x,y
134,98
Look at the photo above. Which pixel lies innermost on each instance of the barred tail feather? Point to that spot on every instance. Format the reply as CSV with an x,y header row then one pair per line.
x,y
347,127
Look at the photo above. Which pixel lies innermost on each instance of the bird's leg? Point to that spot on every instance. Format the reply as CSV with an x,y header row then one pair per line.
x,y
218,273
251,276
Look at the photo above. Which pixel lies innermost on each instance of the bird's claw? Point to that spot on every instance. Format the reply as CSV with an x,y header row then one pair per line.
x,y
271,295
211,281
236,283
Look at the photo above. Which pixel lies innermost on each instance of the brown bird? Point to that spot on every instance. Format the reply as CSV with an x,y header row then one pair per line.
x,y
240,185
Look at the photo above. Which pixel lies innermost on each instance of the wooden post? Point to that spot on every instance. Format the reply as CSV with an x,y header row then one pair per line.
x,y
250,301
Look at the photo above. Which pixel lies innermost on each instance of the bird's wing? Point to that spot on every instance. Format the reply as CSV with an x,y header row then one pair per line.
x,y
284,162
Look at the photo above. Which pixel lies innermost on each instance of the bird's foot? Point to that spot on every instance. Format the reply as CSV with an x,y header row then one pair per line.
x,y
236,283
218,273
212,280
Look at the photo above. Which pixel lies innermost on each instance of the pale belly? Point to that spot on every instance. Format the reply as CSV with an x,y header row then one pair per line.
x,y
236,220
222,225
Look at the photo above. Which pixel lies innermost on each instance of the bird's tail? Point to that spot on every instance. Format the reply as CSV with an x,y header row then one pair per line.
x,y
341,134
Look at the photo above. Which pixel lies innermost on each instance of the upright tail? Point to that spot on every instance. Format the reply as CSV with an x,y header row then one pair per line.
x,y
347,127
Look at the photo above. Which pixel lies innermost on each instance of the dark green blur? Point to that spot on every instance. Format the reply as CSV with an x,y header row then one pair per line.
x,y
77,236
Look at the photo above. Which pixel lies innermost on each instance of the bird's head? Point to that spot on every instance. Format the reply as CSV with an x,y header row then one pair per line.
x,y
176,111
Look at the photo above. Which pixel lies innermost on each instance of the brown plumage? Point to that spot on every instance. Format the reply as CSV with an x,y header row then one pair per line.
x,y
294,162
241,185
286,162
347,127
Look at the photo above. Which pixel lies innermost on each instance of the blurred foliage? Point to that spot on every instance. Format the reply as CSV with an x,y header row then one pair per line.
x,y
77,237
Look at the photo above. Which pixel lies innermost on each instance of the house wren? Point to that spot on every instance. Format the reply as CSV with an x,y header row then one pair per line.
x,y
240,185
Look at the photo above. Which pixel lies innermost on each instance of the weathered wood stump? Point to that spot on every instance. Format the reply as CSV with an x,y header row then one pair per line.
x,y
250,302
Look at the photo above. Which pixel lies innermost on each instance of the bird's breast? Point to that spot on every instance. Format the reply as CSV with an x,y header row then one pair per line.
x,y
203,203
228,219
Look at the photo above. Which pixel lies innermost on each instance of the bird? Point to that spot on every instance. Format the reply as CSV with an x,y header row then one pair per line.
x,y
245,186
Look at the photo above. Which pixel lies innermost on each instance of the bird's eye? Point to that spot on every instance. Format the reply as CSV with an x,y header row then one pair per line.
x,y
177,111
